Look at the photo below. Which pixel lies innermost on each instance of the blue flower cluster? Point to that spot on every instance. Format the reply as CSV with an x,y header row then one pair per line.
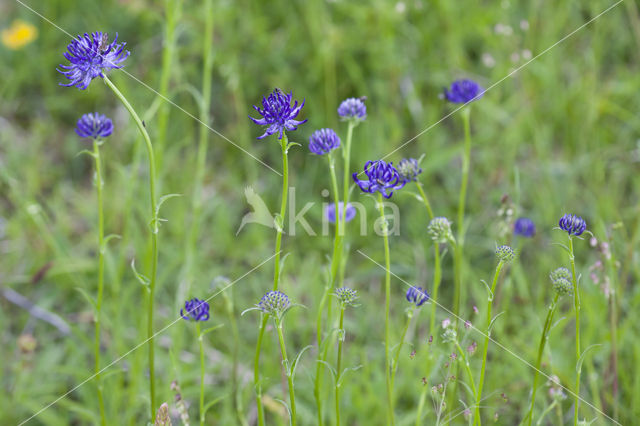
x,y
382,177
195,310
94,125
573,225
417,295
278,114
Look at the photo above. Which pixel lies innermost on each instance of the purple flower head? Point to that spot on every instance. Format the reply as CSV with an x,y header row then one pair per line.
x,y
574,225
346,295
323,141
330,212
195,310
353,109
417,295
382,178
524,227
409,169
89,56
94,125
463,91
274,303
278,114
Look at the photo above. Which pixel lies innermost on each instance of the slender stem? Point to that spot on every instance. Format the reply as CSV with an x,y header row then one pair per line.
x,y
547,411
101,251
154,239
200,342
339,364
238,405
425,200
276,275
486,338
543,342
330,286
346,156
576,302
285,363
469,373
459,252
394,366
203,142
387,287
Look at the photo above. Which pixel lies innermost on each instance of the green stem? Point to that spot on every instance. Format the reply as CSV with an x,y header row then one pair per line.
x,y
154,239
576,302
200,342
346,156
339,364
469,373
425,200
387,287
237,400
459,252
285,363
101,251
486,339
543,342
276,275
394,366
547,411
329,287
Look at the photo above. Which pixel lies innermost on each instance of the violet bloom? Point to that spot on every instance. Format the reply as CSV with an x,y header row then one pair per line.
x,y
278,114
463,91
195,310
323,141
274,303
353,109
524,227
409,169
417,295
382,177
89,56
94,125
573,225
330,212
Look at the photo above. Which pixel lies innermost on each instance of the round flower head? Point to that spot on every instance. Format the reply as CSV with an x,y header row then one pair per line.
x,y
560,273
417,295
89,55
323,141
330,212
463,91
94,125
195,310
563,286
353,109
274,303
409,169
440,230
278,114
346,295
381,177
574,225
524,227
505,254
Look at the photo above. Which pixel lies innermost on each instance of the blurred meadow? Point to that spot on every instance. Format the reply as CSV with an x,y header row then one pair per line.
x,y
559,136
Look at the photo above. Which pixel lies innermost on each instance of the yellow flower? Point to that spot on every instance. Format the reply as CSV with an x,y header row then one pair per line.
x,y
19,34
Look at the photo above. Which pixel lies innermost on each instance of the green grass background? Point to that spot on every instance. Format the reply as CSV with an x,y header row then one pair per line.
x,y
559,136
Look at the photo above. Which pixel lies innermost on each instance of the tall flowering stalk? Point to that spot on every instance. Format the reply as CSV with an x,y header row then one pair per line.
x,y
278,116
323,142
97,127
574,226
561,285
462,92
198,311
384,179
505,254
90,56
347,297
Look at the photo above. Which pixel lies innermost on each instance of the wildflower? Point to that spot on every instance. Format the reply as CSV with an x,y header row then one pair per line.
x,y
449,335
346,295
94,125
505,254
471,349
467,324
446,323
574,225
382,178
524,227
274,303
475,309
162,416
440,230
19,34
195,309
463,91
409,169
89,56
278,113
563,286
353,109
330,212
417,295
560,273
323,141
